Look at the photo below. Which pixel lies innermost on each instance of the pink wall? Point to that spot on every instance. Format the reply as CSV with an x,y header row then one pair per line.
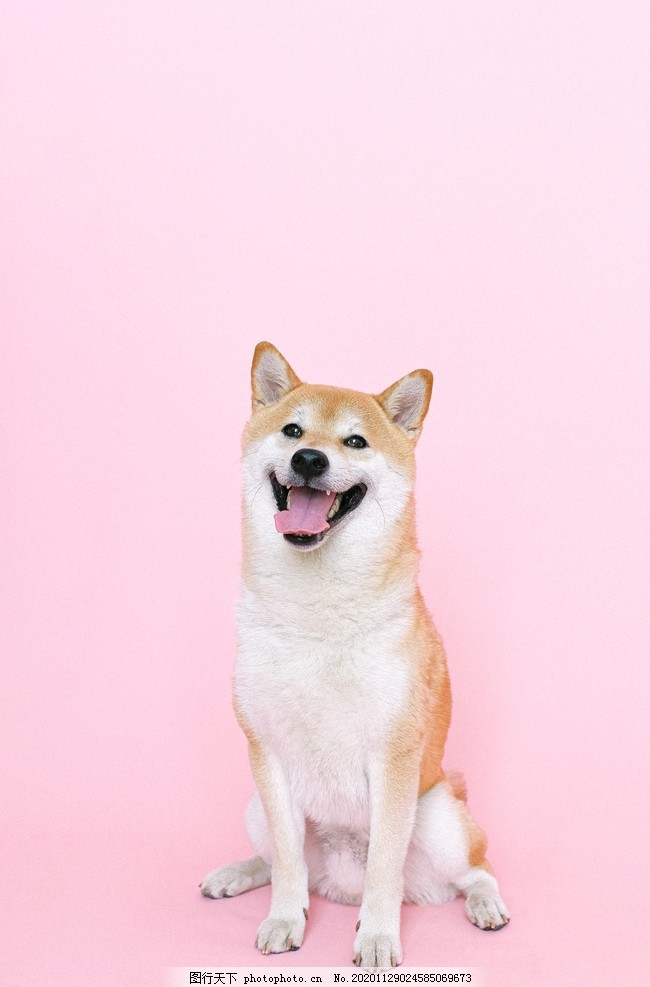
x,y
374,188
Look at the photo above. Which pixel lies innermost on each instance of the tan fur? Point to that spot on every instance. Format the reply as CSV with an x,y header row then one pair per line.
x,y
476,840
457,784
247,730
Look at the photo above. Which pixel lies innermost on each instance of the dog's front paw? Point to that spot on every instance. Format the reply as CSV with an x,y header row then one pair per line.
x,y
278,935
377,949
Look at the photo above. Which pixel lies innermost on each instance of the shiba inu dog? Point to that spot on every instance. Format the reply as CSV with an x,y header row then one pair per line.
x,y
341,683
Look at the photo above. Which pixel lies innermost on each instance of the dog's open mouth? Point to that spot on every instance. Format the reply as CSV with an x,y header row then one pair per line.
x,y
306,513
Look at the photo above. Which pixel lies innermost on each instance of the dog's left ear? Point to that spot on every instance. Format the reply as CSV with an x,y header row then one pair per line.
x,y
271,376
407,401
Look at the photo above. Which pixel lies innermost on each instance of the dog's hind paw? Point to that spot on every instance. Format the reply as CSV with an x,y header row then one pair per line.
x,y
279,935
226,882
486,910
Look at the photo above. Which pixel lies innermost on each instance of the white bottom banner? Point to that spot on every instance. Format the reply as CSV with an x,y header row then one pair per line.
x,y
328,976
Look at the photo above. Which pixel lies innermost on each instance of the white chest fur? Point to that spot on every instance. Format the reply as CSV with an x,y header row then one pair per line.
x,y
322,678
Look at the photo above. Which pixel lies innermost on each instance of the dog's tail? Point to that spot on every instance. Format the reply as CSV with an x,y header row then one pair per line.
x,y
458,784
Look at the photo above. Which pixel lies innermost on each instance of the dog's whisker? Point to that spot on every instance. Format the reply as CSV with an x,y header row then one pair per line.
x,y
241,459
257,490
381,509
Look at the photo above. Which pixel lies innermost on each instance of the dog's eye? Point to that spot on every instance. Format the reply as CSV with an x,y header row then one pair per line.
x,y
293,431
355,442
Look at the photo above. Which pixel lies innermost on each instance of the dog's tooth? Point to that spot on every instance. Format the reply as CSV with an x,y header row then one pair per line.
x,y
328,492
335,506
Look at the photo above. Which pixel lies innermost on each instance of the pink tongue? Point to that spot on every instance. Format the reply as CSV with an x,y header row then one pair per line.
x,y
307,513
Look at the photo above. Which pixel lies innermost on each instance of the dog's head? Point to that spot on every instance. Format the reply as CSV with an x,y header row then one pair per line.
x,y
326,458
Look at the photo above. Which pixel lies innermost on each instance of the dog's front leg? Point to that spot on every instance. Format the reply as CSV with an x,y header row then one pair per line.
x,y
393,786
285,926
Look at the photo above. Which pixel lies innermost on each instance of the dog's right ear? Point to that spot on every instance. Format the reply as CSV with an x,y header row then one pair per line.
x,y
271,376
407,401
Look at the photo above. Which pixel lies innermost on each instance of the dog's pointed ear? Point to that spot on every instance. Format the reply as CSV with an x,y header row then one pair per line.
x,y
407,401
271,376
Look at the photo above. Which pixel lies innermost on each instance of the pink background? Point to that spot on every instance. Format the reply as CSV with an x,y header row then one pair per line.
x,y
374,187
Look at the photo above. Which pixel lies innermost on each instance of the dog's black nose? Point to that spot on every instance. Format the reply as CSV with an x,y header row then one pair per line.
x,y
309,462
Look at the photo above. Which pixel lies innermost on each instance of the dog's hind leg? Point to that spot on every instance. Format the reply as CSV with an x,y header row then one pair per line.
x,y
226,882
447,857
484,905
